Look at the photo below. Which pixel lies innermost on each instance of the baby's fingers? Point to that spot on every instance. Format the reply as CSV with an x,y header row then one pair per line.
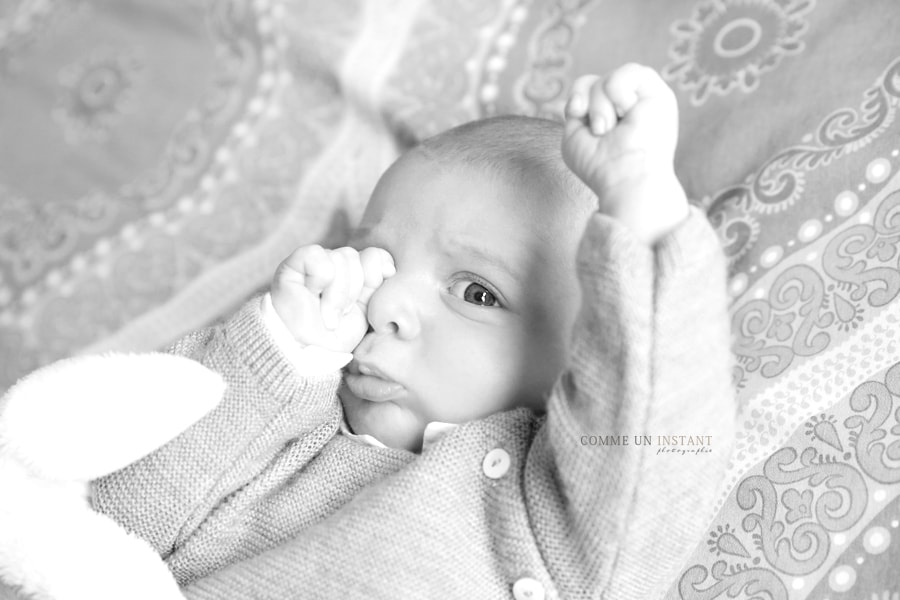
x,y
345,287
580,97
589,106
377,265
632,83
309,266
602,114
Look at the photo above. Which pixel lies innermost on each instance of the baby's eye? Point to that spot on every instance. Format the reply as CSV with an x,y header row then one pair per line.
x,y
474,293
478,294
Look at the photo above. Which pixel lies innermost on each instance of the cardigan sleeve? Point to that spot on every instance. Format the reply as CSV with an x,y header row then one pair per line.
x,y
649,360
165,496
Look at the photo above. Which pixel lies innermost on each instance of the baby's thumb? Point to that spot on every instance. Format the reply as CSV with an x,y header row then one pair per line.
x,y
377,265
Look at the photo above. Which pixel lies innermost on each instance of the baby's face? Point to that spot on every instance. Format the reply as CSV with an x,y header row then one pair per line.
x,y
478,316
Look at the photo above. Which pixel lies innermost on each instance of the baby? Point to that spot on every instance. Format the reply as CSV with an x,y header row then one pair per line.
x,y
458,455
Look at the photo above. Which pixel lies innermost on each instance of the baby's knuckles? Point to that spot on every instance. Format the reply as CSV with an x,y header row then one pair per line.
x,y
296,293
631,167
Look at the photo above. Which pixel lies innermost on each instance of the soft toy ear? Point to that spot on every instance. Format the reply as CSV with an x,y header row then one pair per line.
x,y
64,425
55,548
85,417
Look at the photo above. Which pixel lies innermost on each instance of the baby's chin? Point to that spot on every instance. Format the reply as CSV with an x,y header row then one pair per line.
x,y
389,423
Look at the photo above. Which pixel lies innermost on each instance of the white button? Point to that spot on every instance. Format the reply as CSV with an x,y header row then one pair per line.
x,y
496,463
528,589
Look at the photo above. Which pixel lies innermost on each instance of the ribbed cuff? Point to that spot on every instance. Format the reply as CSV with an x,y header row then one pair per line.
x,y
694,233
307,360
609,249
250,339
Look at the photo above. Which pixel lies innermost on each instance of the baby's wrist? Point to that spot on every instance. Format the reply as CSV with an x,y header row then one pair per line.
x,y
651,206
277,322
308,357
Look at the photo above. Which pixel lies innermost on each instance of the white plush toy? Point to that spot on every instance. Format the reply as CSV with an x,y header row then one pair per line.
x,y
66,424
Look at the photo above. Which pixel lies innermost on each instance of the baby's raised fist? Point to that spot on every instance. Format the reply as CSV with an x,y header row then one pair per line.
x,y
322,295
620,138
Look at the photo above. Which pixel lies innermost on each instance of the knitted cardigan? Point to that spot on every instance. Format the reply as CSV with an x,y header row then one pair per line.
x,y
264,498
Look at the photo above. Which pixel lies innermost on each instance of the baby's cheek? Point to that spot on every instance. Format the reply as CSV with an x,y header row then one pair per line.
x,y
546,338
480,372
513,377
539,361
389,423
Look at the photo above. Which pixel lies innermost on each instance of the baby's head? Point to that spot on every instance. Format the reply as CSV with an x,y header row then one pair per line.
x,y
483,222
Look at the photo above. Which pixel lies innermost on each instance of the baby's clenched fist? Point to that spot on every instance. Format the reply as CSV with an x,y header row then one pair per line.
x,y
620,138
322,295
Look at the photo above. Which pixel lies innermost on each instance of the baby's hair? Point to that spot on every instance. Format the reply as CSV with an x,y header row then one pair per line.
x,y
509,146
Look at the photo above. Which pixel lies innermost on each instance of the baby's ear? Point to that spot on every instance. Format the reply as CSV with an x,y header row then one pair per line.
x,y
85,417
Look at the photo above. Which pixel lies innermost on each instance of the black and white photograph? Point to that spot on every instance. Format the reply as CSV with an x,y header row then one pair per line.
x,y
420,299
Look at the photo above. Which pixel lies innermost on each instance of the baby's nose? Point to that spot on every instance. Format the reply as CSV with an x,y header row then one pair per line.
x,y
394,308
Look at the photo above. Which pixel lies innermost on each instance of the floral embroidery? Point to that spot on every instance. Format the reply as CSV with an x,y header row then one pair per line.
x,y
885,249
797,504
781,328
731,43
722,540
823,428
97,91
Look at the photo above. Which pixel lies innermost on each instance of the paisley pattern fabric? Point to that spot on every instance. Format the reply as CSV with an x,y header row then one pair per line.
x,y
820,516
159,159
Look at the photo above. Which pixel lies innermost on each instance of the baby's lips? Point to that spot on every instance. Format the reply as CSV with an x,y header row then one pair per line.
x,y
373,388
367,369
369,382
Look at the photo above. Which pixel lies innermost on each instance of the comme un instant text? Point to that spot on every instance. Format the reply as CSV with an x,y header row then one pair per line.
x,y
646,440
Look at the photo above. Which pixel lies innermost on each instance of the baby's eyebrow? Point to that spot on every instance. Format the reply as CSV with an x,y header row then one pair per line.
x,y
481,254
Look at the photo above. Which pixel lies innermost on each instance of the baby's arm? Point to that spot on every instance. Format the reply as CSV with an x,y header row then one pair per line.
x,y
269,402
650,357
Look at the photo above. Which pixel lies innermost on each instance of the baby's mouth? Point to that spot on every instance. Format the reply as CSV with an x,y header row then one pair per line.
x,y
369,383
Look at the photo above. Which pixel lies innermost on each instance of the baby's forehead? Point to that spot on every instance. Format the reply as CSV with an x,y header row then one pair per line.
x,y
477,190
462,207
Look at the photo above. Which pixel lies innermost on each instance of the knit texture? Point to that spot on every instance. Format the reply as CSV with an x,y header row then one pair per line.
x,y
264,498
